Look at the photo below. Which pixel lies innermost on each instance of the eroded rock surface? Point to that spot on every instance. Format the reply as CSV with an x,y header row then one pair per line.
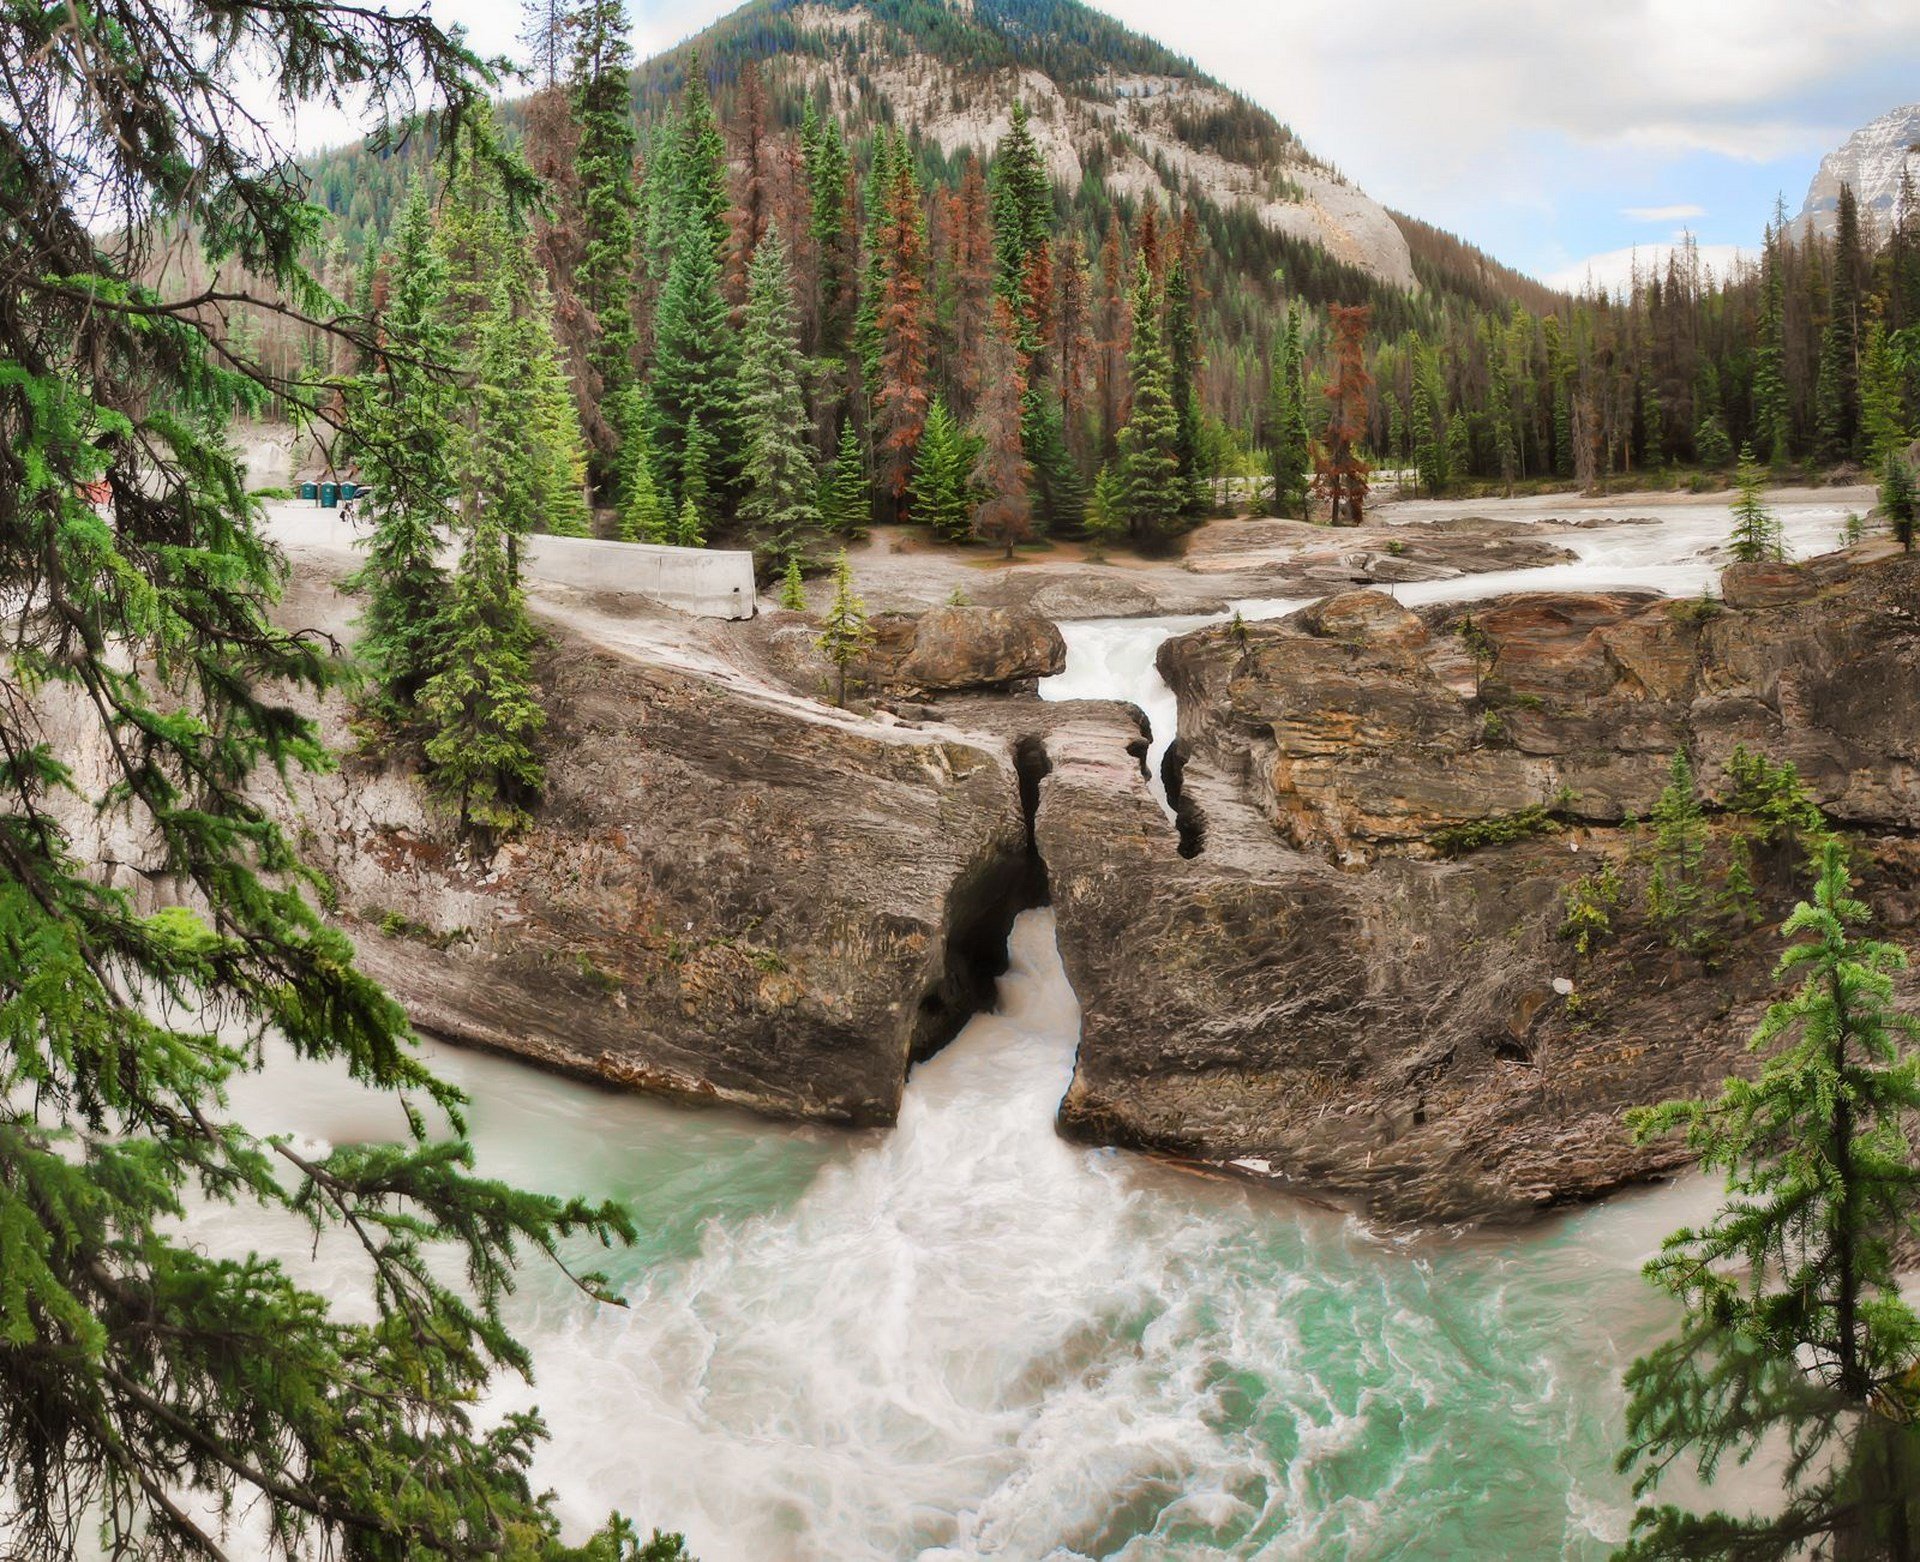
x,y
1358,725
728,895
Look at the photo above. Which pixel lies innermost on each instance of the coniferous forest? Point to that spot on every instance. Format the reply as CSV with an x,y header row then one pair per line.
x,y
1173,350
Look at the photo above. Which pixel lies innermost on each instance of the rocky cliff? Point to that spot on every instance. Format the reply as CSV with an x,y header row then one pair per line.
x,y
739,894
1294,983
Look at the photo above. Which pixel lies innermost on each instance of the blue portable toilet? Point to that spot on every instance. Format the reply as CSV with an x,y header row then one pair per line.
x,y
329,496
349,490
310,491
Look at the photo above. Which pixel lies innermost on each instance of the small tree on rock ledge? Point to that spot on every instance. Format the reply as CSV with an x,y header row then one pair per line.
x,y
845,634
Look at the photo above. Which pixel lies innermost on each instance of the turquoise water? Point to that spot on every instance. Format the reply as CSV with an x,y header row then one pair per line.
x,y
967,1338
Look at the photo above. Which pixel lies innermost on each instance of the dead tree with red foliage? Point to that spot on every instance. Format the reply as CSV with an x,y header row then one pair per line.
x,y
1339,470
1002,475
901,394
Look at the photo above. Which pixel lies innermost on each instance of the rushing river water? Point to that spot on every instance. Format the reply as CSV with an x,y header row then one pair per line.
x,y
967,1338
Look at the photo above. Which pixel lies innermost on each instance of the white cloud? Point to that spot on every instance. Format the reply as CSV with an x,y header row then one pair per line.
x,y
1662,213
1613,270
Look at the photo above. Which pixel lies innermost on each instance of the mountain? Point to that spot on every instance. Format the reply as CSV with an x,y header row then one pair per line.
x,y
1874,160
1107,106
1119,116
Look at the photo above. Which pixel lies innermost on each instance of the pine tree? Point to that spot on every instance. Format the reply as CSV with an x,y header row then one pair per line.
x,y
1795,1333
1772,423
1151,496
780,484
401,433
602,64
846,499
1676,888
696,480
793,589
1883,425
1183,358
1106,517
942,491
695,374
699,198
845,633
829,174
1711,443
1340,472
160,1381
1756,530
642,507
1838,398
1022,206
1288,442
1001,474
480,705
690,529
1898,497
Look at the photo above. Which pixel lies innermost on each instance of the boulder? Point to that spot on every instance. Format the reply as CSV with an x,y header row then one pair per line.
x,y
947,649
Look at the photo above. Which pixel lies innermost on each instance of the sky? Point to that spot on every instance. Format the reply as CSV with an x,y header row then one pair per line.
x,y
1558,135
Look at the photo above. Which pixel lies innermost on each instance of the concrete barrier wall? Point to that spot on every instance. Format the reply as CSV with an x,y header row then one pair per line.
x,y
707,582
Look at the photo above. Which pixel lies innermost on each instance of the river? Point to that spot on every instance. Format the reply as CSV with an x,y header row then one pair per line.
x,y
966,1338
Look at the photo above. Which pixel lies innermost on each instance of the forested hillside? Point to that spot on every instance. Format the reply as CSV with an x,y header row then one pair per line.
x,y
1167,324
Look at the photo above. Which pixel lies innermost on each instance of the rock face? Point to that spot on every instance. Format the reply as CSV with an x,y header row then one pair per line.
x,y
948,649
1872,161
1357,725
729,895
1417,1040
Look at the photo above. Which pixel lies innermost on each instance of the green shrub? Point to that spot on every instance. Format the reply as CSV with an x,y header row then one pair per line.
x,y
1456,840
1589,904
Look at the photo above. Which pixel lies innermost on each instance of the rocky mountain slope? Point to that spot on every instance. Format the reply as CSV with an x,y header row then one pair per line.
x,y
1164,131
1873,160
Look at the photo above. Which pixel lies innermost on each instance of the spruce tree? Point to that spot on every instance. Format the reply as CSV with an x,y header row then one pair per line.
x,y
1676,887
555,447
601,67
1022,206
1837,402
690,529
1883,423
1756,530
793,588
695,374
1795,1334
1106,517
1289,444
696,479
845,633
643,513
159,1379
942,493
401,433
1772,423
1183,359
1711,443
1151,495
1898,497
846,498
481,707
1432,456
777,470
829,174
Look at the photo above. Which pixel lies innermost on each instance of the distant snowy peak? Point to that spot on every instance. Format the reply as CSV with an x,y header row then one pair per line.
x,y
1872,161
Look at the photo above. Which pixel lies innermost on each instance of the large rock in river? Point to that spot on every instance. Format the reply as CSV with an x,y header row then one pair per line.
x,y
954,648
730,894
